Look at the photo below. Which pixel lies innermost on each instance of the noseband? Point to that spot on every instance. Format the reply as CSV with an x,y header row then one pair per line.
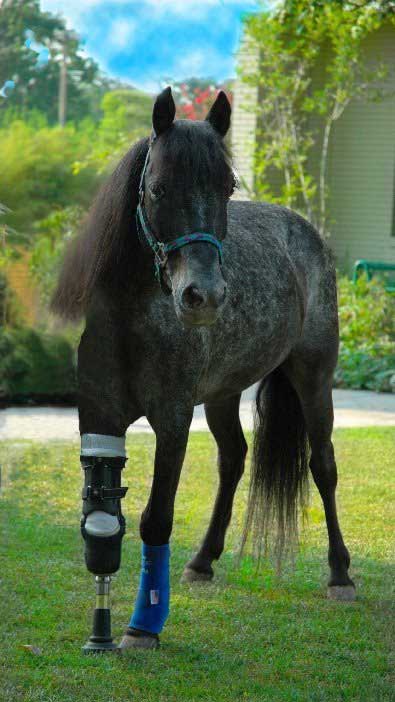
x,y
161,249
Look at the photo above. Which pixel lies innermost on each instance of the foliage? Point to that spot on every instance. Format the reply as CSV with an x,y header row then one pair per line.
x,y
35,366
9,308
367,336
11,242
54,233
124,111
126,117
52,174
292,40
247,636
39,175
38,87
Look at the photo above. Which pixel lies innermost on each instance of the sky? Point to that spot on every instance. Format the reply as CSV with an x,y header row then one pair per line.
x,y
144,42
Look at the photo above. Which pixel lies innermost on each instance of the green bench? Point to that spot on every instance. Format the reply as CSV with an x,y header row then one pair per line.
x,y
371,267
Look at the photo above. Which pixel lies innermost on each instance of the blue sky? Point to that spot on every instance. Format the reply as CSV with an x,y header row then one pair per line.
x,y
146,41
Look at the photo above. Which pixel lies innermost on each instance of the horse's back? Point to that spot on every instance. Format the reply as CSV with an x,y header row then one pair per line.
x,y
273,226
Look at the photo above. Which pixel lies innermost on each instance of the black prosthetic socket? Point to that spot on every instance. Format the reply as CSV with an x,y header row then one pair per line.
x,y
102,492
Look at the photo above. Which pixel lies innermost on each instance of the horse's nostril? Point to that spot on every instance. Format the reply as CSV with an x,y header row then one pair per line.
x,y
192,297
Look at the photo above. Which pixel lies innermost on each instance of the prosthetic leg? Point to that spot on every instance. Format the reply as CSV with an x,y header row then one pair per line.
x,y
102,526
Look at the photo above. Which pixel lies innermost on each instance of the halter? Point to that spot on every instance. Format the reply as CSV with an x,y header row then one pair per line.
x,y
160,249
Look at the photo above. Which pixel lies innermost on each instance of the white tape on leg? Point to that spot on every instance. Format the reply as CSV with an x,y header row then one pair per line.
x,y
102,445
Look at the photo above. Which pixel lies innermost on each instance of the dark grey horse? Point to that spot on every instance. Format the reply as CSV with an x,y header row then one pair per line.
x,y
265,312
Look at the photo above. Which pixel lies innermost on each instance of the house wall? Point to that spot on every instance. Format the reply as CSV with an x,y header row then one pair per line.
x,y
361,159
243,131
361,169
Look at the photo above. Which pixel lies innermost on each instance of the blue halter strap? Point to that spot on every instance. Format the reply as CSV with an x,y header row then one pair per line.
x,y
160,249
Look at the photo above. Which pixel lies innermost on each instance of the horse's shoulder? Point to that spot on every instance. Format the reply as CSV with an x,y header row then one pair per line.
x,y
276,222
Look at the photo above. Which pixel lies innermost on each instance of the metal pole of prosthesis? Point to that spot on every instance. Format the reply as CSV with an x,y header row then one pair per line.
x,y
100,641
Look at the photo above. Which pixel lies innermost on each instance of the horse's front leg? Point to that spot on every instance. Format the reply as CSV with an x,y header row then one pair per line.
x,y
103,425
152,604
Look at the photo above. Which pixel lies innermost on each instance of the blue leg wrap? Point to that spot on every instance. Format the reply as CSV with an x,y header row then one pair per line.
x,y
152,604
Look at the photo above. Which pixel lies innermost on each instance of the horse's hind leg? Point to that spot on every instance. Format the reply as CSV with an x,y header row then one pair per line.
x,y
315,394
224,422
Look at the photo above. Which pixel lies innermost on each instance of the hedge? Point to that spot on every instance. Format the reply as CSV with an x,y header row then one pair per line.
x,y
40,367
36,367
367,336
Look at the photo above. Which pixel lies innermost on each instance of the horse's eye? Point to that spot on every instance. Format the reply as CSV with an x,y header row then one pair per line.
x,y
156,192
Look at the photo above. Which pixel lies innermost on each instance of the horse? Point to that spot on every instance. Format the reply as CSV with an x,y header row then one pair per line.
x,y
190,297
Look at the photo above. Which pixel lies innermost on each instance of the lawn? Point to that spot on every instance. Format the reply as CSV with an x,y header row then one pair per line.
x,y
246,636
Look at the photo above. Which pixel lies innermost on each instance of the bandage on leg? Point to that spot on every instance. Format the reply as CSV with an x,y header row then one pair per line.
x,y
152,603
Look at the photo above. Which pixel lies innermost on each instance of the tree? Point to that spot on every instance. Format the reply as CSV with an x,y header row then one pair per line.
x,y
126,117
125,110
291,40
54,234
10,243
39,176
38,87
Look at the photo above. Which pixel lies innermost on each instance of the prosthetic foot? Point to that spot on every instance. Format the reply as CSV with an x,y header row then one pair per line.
x,y
102,526
100,640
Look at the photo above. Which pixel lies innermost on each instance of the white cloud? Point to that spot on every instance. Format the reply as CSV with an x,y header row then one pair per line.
x,y
192,63
185,5
121,32
198,62
111,29
185,8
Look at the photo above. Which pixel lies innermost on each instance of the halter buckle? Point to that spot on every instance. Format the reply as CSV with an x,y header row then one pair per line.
x,y
160,254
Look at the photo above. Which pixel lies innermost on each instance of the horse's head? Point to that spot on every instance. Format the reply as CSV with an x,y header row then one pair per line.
x,y
185,187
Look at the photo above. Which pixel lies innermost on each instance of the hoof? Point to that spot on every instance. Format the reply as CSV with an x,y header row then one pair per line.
x,y
342,593
139,640
193,576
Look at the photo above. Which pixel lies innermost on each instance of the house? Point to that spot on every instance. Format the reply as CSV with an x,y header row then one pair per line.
x,y
361,158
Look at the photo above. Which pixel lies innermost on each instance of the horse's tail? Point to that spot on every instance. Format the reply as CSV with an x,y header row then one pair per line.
x,y
279,469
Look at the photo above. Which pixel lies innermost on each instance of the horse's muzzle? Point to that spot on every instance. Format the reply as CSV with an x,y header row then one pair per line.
x,y
200,306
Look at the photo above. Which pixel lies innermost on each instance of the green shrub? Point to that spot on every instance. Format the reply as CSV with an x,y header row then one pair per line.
x,y
36,367
41,367
9,307
367,336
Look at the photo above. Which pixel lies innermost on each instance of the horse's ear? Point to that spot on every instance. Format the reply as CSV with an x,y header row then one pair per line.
x,y
219,115
164,112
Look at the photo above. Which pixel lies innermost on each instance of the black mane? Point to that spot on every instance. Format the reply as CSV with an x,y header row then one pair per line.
x,y
105,243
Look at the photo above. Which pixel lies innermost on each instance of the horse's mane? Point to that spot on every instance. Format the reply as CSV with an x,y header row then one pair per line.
x,y
107,241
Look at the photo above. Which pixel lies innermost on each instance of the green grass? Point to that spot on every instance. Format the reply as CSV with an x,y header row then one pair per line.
x,y
247,636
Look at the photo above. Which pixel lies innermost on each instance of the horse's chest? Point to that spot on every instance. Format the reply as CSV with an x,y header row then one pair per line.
x,y
248,341
257,327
